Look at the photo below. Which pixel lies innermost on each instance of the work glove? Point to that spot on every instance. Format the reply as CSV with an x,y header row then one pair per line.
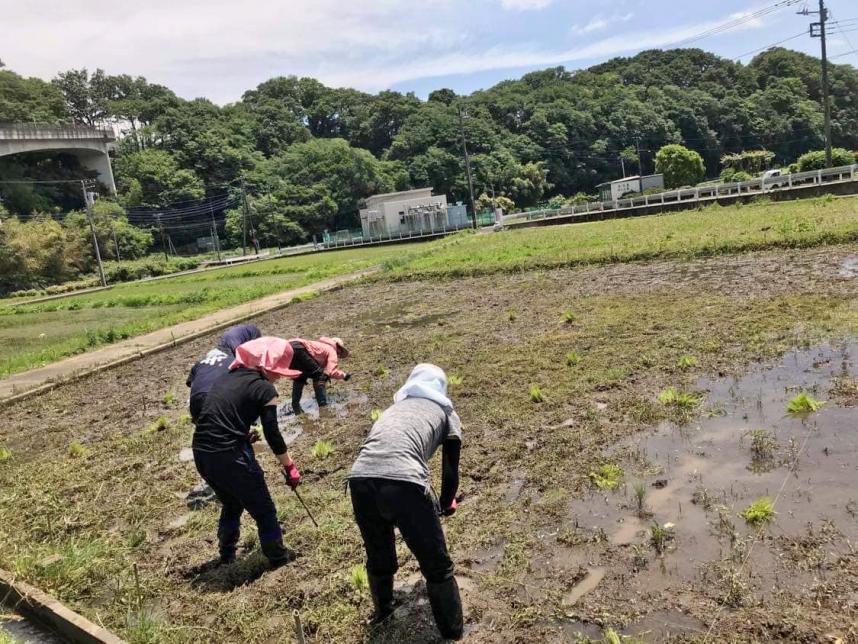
x,y
253,435
450,509
347,377
292,476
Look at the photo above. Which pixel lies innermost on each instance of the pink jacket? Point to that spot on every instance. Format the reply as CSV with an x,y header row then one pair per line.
x,y
325,354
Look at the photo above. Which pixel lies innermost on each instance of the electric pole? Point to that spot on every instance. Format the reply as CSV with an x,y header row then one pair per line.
x,y
163,241
468,168
817,30
215,240
115,242
243,218
623,166
87,200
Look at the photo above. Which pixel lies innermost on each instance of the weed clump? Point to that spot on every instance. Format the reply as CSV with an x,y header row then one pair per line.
x,y
322,449
659,535
161,424
572,359
569,316
455,380
359,578
536,394
375,414
76,450
803,403
763,444
760,512
169,398
681,399
382,372
512,316
5,454
686,362
607,477
640,495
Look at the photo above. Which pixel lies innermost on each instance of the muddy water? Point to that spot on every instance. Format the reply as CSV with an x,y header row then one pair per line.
x,y
706,476
25,631
340,404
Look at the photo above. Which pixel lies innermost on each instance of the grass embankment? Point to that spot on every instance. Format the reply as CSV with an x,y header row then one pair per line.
x,y
111,507
711,231
34,334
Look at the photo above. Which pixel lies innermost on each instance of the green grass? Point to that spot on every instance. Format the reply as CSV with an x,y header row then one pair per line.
x,y
455,380
359,578
711,231
536,394
760,512
38,333
572,359
683,400
803,403
5,453
76,450
686,362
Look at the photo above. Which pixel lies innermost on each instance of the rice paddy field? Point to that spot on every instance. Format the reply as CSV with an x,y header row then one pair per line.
x,y
658,447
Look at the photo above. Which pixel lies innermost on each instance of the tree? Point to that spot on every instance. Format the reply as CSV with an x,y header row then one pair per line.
x,y
680,166
87,97
152,177
111,229
29,100
816,160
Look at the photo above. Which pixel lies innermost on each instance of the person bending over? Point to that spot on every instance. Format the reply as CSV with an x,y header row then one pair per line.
x,y
316,360
222,444
389,485
216,363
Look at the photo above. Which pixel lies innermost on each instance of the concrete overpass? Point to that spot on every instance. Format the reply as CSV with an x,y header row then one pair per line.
x,y
88,144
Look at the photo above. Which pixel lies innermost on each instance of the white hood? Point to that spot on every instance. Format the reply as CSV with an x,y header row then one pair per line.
x,y
426,381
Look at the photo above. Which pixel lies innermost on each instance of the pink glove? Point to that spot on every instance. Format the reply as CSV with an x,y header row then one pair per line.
x,y
450,509
292,476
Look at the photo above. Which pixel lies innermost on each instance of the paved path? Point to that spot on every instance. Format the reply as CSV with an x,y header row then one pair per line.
x,y
19,385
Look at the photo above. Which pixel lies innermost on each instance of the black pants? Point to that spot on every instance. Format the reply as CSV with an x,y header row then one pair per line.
x,y
239,483
379,506
310,370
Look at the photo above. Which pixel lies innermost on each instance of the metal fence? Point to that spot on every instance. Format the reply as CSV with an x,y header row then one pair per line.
x,y
30,131
703,194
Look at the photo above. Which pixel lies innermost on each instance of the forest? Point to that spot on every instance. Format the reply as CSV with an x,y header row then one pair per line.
x,y
308,154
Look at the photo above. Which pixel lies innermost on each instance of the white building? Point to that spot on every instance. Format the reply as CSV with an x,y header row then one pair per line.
x,y
613,190
406,212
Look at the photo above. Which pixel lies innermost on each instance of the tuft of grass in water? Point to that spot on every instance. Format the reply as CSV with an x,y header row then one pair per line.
x,y
322,449
572,359
607,477
455,380
512,315
144,627
359,578
686,362
803,403
569,316
680,399
763,444
610,636
169,398
536,394
640,495
375,414
5,454
760,512
76,450
659,535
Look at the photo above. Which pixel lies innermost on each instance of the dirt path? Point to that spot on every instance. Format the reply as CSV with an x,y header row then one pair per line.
x,y
13,387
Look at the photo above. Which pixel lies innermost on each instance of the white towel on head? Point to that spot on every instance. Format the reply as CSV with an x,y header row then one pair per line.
x,y
426,381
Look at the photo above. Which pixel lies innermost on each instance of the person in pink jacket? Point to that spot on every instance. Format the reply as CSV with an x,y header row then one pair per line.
x,y
319,361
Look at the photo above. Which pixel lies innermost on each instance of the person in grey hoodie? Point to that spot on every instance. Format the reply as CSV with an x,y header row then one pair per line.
x,y
390,488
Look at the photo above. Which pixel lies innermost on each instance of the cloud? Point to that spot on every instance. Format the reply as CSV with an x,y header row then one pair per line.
x,y
600,22
525,5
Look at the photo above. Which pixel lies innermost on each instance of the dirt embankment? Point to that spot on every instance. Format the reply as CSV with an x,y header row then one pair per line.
x,y
535,542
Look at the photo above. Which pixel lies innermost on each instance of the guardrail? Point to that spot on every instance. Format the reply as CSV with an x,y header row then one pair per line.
x,y
30,131
703,193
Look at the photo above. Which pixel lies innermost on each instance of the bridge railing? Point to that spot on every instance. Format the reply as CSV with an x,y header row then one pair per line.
x,y
38,131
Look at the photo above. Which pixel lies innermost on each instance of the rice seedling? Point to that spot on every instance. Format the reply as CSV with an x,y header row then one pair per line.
x,y
76,450
382,372
686,362
569,316
760,512
375,414
455,380
640,495
572,359
536,394
359,578
659,535
763,444
512,315
5,454
803,403
322,449
169,398
162,423
610,636
607,477
682,400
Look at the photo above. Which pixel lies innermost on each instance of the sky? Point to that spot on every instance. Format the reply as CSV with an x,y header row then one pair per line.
x,y
221,48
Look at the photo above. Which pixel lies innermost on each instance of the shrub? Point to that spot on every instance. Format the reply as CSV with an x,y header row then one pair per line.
x,y
816,160
679,165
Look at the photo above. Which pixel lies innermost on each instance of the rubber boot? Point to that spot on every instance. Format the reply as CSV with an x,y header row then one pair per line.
x,y
277,553
227,543
381,589
447,608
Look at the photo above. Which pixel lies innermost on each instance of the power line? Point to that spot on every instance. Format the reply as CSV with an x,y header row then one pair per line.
x,y
735,23
774,44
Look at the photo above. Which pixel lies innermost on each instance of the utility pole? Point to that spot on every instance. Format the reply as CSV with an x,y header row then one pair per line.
x,y
115,242
87,200
215,240
468,168
163,240
640,160
817,30
623,166
243,218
